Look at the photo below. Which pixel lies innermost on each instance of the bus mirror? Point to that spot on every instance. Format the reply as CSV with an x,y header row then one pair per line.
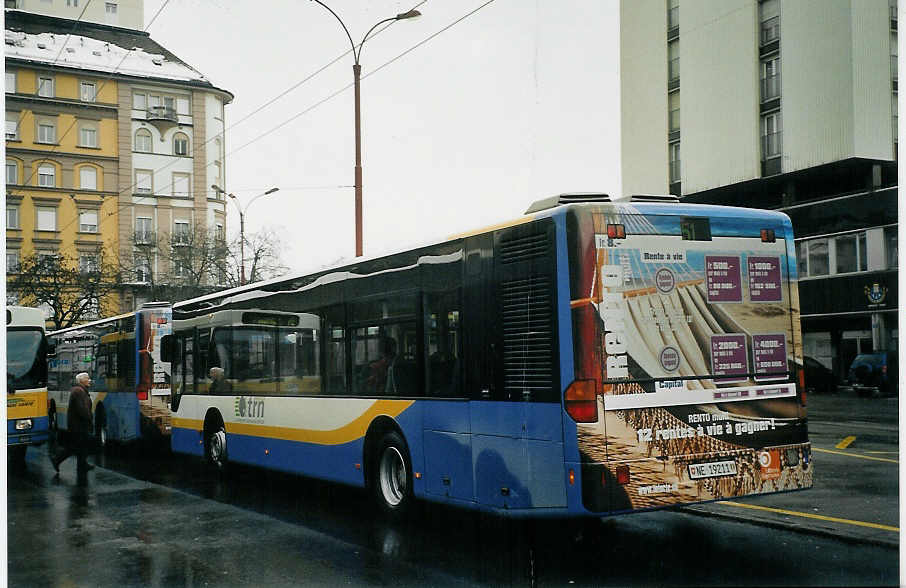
x,y
51,347
166,348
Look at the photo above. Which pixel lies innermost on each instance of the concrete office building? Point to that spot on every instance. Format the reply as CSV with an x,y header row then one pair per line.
x,y
788,105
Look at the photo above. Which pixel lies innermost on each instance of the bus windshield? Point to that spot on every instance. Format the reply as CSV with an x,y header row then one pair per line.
x,y
22,358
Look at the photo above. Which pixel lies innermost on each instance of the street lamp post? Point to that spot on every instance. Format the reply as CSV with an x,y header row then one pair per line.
x,y
356,76
242,212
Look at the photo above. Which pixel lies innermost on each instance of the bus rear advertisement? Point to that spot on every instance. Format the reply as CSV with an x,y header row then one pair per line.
x,y
588,358
26,380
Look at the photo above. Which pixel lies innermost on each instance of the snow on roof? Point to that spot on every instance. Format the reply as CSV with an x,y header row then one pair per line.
x,y
95,55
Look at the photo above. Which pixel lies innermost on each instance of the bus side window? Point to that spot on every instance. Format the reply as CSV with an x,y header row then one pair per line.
x,y
178,382
189,364
201,366
253,360
443,367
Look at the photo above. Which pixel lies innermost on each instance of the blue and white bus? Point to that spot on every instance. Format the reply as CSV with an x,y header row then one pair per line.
x,y
130,392
26,381
588,358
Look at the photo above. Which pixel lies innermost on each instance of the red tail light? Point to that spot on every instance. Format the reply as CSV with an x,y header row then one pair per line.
x,y
581,401
616,231
767,236
623,475
142,394
802,398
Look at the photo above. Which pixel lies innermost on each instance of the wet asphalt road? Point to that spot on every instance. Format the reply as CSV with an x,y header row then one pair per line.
x,y
147,518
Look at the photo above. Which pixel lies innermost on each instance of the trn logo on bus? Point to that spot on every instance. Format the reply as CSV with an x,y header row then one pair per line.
x,y
252,408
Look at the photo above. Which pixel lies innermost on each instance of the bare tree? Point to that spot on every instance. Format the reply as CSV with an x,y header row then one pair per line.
x,y
263,259
75,290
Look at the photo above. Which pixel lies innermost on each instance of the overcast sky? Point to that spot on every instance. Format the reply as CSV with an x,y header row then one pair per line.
x,y
515,102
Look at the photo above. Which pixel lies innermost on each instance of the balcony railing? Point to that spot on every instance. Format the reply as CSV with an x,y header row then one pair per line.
x,y
673,18
161,113
770,30
770,88
673,69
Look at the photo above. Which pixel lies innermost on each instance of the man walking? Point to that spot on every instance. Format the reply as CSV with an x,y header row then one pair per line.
x,y
79,425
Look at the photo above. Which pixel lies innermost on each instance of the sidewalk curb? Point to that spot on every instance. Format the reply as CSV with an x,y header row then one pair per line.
x,y
789,526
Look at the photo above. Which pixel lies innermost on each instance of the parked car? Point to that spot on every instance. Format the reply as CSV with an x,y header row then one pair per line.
x,y
874,373
817,377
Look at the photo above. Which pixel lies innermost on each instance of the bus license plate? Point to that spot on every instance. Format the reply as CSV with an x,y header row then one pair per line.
x,y
712,469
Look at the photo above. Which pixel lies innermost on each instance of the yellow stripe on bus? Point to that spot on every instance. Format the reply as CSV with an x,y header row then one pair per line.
x,y
345,434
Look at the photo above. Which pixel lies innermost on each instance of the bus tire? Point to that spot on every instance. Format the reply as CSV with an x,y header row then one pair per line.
x,y
215,447
391,482
100,428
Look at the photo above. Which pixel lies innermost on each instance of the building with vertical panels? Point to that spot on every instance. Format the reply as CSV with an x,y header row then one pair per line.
x,y
111,140
780,104
128,14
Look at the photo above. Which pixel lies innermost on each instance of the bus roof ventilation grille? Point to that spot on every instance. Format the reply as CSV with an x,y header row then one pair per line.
x,y
671,198
561,199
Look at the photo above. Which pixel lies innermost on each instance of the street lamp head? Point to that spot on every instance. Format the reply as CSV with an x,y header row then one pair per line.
x,y
231,195
271,191
410,14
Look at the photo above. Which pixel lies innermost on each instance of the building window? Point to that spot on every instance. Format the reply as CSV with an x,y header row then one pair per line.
x,y
12,126
180,144
12,216
46,218
74,3
218,232
45,87
851,253
88,91
143,234
12,261
12,173
182,106
88,136
110,10
181,185
142,269
673,102
770,79
140,101
673,65
47,176
88,221
769,16
88,263
143,141
890,247
144,181
88,178
47,132
771,135
10,82
675,162
180,267
672,14
180,232
218,179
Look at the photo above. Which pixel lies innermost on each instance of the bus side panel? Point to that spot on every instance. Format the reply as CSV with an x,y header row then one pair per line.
x,y
447,460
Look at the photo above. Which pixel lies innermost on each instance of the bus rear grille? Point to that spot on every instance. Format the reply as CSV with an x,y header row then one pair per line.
x,y
527,337
523,248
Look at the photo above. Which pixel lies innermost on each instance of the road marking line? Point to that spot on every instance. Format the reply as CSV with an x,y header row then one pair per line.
x,y
813,516
883,452
846,442
855,455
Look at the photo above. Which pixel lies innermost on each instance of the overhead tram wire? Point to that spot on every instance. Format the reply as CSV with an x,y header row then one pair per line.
x,y
108,78
260,108
121,206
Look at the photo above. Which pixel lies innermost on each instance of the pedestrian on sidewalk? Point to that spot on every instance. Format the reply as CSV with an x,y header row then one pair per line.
x,y
79,426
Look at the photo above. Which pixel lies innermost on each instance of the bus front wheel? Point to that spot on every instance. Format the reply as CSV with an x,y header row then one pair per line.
x,y
216,448
392,475
100,429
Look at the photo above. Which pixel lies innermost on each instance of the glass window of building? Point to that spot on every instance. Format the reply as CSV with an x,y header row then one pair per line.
x,y
12,216
818,258
47,132
88,136
46,87
10,82
769,16
12,126
890,247
139,101
180,185
88,221
46,218
143,181
180,144
143,230
12,172
88,91
143,141
182,106
12,261
47,175
88,178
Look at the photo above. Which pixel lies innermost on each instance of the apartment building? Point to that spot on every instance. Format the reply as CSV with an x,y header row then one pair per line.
x,y
111,141
128,14
781,104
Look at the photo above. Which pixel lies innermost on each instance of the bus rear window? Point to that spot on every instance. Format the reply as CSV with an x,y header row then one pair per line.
x,y
695,229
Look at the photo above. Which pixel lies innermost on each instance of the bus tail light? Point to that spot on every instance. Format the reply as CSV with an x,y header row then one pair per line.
x,y
572,477
581,401
616,232
623,475
142,394
801,382
768,236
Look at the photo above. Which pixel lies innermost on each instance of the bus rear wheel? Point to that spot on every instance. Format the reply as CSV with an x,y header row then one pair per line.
x,y
391,478
216,448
